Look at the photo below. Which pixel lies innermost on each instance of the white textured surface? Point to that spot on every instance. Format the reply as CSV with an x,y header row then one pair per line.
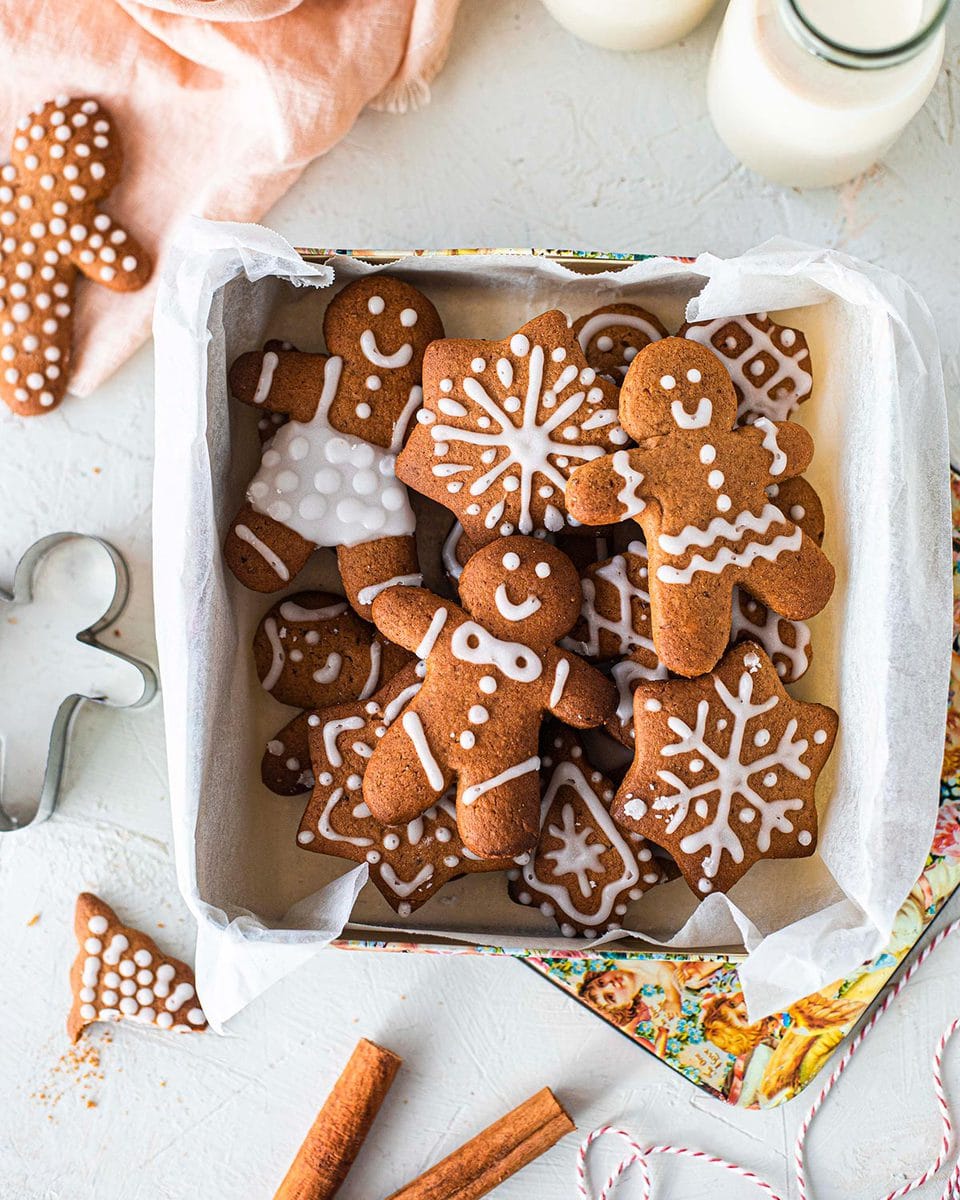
x,y
531,139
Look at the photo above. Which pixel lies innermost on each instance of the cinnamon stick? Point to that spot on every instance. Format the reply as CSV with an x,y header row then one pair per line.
x,y
335,1138
495,1154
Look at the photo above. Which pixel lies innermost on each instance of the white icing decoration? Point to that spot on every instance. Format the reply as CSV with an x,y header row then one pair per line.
x,y
399,358
515,612
471,794
373,676
770,444
401,888
560,674
726,556
768,634
632,504
331,731
267,368
413,727
330,669
516,661
611,320
434,630
368,594
327,830
276,663
698,420
245,534
293,612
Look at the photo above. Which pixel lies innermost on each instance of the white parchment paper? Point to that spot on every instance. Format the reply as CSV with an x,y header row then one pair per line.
x,y
881,647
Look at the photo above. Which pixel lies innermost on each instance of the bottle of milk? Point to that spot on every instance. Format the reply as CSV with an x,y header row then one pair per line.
x,y
811,93
629,24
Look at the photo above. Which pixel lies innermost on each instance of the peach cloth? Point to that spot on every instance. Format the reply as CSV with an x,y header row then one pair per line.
x,y
220,105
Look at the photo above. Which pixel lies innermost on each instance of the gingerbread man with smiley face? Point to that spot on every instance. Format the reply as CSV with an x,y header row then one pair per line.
x,y
493,671
327,474
696,486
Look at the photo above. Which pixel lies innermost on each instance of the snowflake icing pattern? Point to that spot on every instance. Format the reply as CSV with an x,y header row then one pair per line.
x,y
577,853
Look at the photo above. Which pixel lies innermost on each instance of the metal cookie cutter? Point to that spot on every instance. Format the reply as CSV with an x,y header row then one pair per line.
x,y
47,672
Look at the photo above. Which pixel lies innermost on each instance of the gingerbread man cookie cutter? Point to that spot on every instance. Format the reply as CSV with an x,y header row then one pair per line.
x,y
85,676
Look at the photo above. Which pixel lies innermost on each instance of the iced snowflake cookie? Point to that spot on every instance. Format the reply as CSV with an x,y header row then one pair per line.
x,y
493,671
119,973
312,650
504,424
612,336
696,486
327,476
725,768
64,160
769,363
408,862
585,870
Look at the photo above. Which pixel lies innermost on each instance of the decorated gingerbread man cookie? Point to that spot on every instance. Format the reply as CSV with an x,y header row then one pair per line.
x,y
585,869
725,768
504,424
327,474
408,862
311,650
769,363
64,160
120,974
696,486
493,671
612,336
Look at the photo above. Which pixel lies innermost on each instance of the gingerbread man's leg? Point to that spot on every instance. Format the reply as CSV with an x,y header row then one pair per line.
x,y
690,622
107,254
405,775
500,817
797,584
365,568
263,554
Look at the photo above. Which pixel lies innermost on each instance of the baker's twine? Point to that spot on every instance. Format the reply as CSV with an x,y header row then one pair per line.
x,y
640,1156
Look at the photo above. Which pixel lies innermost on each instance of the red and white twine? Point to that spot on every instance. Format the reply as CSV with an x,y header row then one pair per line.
x,y
639,1156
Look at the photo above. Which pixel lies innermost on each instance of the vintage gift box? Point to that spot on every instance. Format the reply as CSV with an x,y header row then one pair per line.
x,y
263,906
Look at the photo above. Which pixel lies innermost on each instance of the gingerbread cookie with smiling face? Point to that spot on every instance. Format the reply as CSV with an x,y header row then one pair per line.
x,y
584,870
327,474
493,671
696,485
64,161
504,424
768,363
408,862
612,336
725,769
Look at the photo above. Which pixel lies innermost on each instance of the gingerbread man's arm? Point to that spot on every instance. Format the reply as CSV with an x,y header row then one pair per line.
x,y
579,695
281,381
613,488
107,253
785,445
410,617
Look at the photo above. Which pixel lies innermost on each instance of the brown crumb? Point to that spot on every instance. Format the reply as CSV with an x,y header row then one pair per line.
x,y
97,470
117,633
163,1083
79,1069
161,925
91,1104
12,621
33,920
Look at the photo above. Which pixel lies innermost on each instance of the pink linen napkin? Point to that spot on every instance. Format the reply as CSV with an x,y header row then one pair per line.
x,y
220,105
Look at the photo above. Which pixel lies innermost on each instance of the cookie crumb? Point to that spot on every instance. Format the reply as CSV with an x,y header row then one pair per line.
x,y
33,920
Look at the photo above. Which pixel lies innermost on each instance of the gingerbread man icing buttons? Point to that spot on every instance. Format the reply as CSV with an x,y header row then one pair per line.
x,y
585,870
612,336
408,862
327,474
725,768
696,485
120,974
769,363
64,160
504,424
493,671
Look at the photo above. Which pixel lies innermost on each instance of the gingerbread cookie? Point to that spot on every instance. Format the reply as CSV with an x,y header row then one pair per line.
x,y
769,363
408,862
285,765
492,672
327,474
504,424
696,485
585,870
119,973
612,336
725,768
64,160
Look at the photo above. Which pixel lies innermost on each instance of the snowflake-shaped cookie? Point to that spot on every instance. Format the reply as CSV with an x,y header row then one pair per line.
x,y
503,426
725,768
585,869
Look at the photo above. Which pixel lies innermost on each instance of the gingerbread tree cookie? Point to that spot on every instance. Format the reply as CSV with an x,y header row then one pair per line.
x,y
119,973
327,476
725,768
493,671
696,485
585,869
408,862
504,424
612,336
769,363
64,160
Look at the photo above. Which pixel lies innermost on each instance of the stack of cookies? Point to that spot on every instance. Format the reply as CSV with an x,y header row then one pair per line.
x,y
634,552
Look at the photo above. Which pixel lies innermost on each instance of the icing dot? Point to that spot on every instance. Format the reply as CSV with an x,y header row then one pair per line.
x,y
373,383
746,815
511,561
519,344
757,367
559,354
704,885
770,779
487,684
478,365
652,705
696,765
467,739
804,837
820,736
408,317
93,945
363,411
477,714
375,305
542,570
694,375
708,454
761,737
797,512
668,383
715,479
701,808
723,502
604,343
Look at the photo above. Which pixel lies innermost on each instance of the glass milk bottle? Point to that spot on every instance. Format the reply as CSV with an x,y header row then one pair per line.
x,y
811,93
629,24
